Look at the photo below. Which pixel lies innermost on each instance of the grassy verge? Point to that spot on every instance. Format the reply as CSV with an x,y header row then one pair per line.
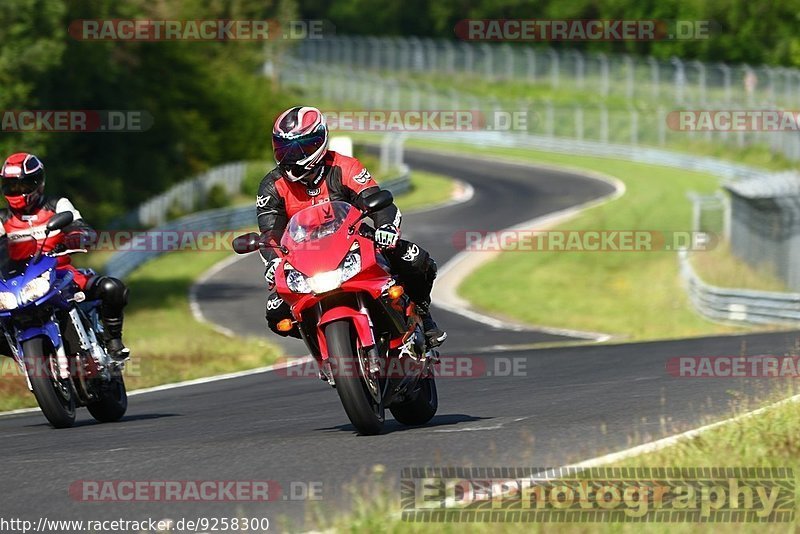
x,y
633,294
721,268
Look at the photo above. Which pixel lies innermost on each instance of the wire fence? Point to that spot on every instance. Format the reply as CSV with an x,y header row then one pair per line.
x,y
607,98
673,81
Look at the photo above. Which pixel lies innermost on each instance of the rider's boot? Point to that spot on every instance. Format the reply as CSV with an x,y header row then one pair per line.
x,y
434,335
113,338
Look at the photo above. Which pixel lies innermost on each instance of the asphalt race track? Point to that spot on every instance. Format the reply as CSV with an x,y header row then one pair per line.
x,y
569,404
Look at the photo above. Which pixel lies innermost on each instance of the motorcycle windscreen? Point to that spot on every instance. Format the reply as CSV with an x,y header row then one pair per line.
x,y
317,222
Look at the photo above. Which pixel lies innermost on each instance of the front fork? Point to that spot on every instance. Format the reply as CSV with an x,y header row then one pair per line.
x,y
87,339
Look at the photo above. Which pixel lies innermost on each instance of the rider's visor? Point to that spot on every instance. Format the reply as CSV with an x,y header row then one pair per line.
x,y
14,187
291,151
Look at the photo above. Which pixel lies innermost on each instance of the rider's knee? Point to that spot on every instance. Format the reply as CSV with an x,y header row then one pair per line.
x,y
278,310
112,291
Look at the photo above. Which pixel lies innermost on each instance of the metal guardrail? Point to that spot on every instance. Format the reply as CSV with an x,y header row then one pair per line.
x,y
136,252
188,196
742,306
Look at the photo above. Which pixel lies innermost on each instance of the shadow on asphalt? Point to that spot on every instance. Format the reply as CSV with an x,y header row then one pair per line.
x,y
393,426
127,419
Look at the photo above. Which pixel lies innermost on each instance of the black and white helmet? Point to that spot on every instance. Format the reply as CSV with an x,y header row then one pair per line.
x,y
299,142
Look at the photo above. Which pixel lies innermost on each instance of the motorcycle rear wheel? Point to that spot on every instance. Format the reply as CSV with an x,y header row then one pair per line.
x,y
113,401
421,408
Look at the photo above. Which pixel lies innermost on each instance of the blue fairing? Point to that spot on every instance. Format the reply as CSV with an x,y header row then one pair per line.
x,y
60,289
61,282
50,329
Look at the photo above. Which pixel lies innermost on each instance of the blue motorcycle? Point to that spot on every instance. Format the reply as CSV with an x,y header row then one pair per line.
x,y
55,335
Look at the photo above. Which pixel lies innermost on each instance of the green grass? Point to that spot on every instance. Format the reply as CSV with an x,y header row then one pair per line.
x,y
632,294
427,189
721,268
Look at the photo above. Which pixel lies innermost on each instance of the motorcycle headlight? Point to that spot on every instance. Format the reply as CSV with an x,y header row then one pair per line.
x,y
7,301
36,288
295,280
351,266
324,281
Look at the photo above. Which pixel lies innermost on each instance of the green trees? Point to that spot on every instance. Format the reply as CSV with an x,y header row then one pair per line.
x,y
207,100
759,31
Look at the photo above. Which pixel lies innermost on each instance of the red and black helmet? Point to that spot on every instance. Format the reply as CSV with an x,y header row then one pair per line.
x,y
23,182
300,141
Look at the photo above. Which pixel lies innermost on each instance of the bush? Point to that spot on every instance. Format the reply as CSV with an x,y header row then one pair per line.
x,y
217,197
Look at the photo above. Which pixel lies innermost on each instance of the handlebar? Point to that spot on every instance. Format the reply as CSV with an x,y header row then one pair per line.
x,y
67,252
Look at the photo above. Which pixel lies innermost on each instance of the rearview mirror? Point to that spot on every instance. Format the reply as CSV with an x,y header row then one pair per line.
x,y
60,220
378,201
246,243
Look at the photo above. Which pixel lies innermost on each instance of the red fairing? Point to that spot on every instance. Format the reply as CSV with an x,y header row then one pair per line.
x,y
323,242
360,320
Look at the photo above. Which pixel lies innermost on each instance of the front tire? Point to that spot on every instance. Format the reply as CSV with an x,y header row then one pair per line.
x,y
421,408
113,401
364,411
56,397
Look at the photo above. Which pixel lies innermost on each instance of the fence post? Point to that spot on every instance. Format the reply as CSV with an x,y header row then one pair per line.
x,y
604,81
578,115
553,68
680,79
603,123
530,63
634,126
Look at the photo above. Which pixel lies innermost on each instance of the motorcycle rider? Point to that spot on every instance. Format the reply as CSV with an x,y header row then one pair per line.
x,y
22,179
307,173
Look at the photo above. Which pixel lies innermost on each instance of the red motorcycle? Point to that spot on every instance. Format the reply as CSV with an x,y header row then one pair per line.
x,y
357,322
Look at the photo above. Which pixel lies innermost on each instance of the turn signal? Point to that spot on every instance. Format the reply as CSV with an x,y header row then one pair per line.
x,y
395,292
284,325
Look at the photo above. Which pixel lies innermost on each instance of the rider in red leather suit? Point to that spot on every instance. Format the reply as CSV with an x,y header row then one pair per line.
x,y
23,180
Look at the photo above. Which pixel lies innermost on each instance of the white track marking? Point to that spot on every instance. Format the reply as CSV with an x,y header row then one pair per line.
x,y
195,382
197,313
659,444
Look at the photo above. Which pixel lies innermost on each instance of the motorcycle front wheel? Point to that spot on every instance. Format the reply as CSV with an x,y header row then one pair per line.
x,y
56,396
364,408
